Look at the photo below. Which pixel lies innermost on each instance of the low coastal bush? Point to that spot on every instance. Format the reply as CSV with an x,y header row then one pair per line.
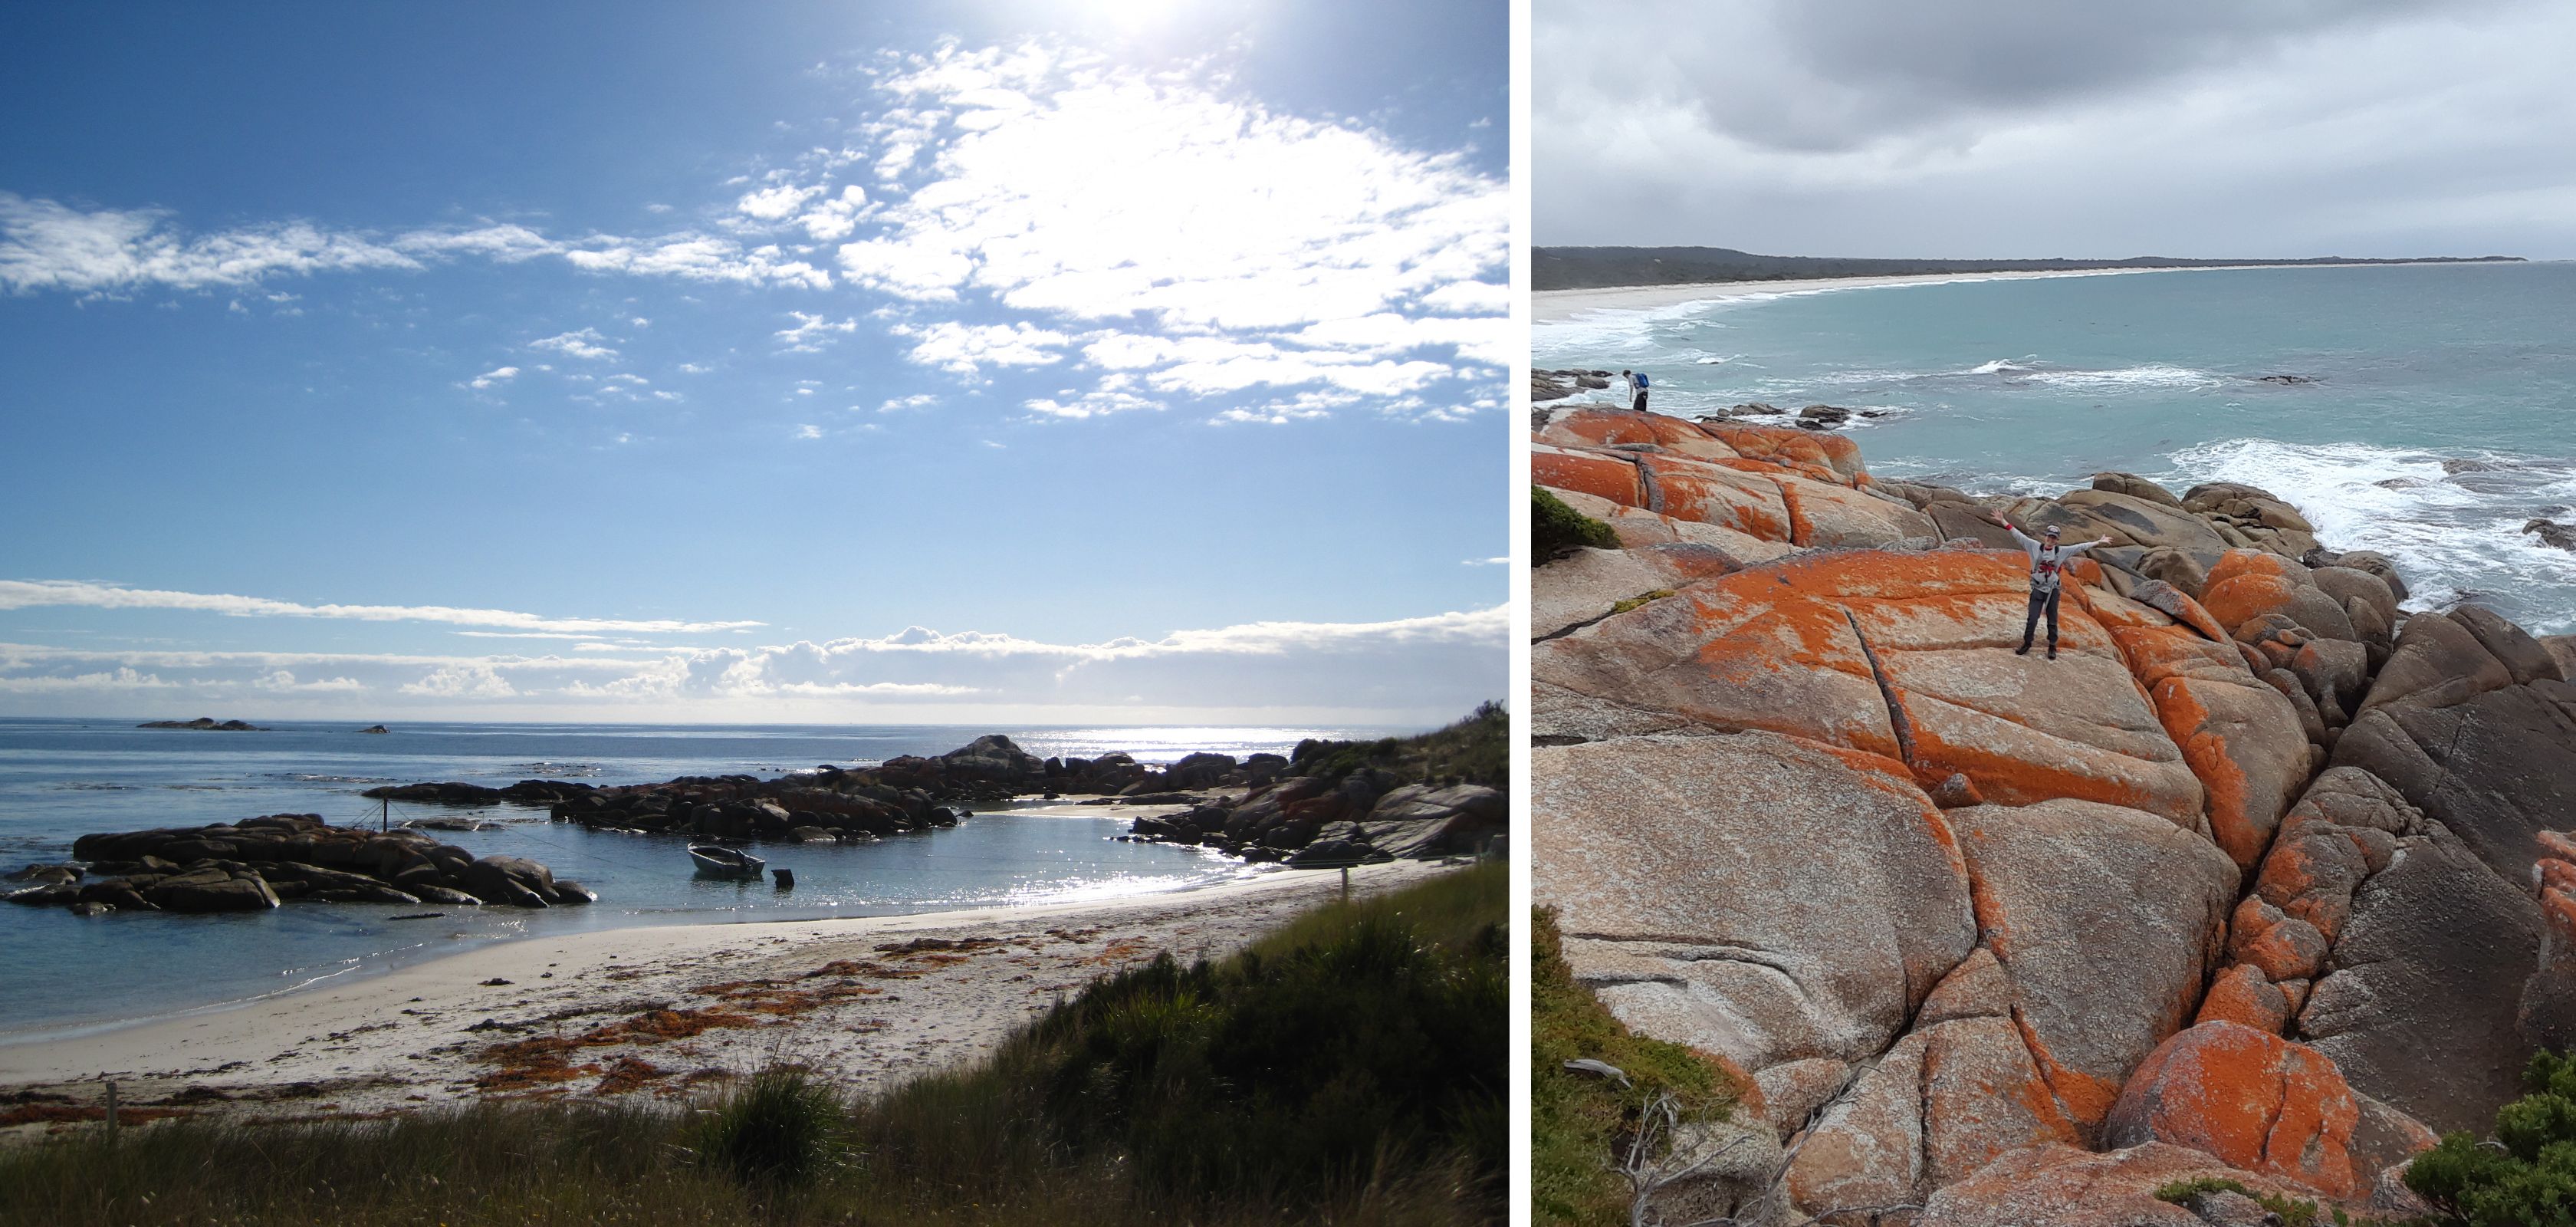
x,y
1556,528
1476,750
2527,1174
780,1130
2286,1211
1580,1122
1348,1068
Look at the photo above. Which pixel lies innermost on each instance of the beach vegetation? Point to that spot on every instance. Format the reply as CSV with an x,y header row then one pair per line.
x,y
1584,1117
2525,1174
1558,529
1349,1067
1474,750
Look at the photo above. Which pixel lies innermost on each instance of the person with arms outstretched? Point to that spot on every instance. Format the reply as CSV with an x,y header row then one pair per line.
x,y
2047,558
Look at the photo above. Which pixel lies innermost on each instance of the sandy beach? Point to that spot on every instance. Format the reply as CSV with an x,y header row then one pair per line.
x,y
1555,306
655,1011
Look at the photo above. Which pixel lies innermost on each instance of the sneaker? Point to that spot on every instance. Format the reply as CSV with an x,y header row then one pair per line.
x,y
2023,650
2052,651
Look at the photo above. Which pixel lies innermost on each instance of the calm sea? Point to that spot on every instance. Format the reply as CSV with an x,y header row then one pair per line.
x,y
62,778
2441,416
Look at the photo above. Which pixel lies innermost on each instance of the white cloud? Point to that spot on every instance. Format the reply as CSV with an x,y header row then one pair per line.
x,y
56,593
121,679
775,203
835,218
809,431
1315,249
1095,403
498,374
462,681
1504,561
586,343
1424,668
917,400
962,348
813,332
283,682
46,245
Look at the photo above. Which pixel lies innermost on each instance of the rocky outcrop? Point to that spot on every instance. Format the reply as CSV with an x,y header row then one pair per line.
x,y
204,724
1760,897
2263,874
259,862
2252,1100
525,792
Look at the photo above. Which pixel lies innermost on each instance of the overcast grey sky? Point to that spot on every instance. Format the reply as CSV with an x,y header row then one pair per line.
x,y
2026,128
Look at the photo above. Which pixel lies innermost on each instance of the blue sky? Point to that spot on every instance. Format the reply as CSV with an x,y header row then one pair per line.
x,y
1127,360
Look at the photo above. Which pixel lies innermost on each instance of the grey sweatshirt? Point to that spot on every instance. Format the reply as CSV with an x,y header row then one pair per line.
x,y
2045,559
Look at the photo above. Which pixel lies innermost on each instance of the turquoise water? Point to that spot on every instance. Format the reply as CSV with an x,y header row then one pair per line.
x,y
62,778
2441,419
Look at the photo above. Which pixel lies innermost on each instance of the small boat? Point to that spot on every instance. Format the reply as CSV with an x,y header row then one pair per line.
x,y
716,861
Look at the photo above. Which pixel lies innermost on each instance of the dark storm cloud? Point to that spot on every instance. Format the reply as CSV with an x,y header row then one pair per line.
x,y
2022,127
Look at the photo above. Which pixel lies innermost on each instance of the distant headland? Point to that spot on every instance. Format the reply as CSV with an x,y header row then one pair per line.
x,y
1587,268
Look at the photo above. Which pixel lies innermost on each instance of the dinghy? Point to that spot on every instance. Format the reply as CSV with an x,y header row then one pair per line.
x,y
716,861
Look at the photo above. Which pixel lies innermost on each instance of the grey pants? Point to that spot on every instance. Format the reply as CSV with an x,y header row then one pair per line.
x,y
2040,601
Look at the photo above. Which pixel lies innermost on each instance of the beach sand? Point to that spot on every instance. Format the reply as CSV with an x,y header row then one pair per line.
x,y
653,1011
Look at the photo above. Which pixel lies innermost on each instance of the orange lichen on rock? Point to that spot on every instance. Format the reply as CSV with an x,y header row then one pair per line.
x,y
2238,562
2241,995
1802,645
1611,477
2249,1099
1612,427
1713,494
2243,598
1829,458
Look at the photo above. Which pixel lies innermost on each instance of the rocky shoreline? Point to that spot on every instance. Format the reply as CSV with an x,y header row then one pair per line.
x,y
1310,808
260,863
1325,805
2259,881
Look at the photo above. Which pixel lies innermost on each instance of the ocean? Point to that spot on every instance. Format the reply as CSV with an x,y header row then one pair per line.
x,y
63,778
2435,412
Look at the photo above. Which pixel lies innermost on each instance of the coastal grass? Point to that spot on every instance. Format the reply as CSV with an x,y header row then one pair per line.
x,y
1556,528
1579,1122
1475,750
1347,1068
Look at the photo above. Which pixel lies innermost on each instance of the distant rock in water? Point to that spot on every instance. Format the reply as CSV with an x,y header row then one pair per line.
x,y
375,728
2291,380
2551,532
257,863
525,792
206,723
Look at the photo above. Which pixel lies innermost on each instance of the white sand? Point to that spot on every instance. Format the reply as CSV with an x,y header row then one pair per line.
x,y
1554,306
403,1039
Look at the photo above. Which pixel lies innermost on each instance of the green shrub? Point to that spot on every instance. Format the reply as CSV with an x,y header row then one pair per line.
x,y
2527,1176
1476,750
1363,1038
2290,1212
780,1130
1556,528
1577,1121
